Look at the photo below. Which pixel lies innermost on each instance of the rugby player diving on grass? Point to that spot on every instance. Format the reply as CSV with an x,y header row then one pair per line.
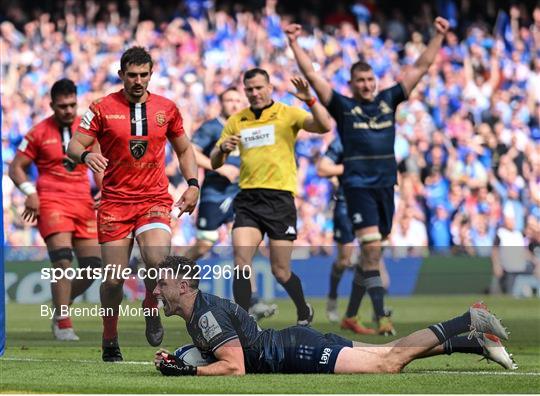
x,y
220,327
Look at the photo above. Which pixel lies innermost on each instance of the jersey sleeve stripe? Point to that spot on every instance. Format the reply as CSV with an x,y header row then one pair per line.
x,y
224,342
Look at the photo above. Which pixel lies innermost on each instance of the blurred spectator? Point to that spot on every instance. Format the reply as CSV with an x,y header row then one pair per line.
x,y
468,138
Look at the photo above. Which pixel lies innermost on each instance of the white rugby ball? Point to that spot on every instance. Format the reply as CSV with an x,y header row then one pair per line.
x,y
193,356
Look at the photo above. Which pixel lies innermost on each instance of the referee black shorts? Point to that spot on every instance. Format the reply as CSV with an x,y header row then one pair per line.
x,y
271,211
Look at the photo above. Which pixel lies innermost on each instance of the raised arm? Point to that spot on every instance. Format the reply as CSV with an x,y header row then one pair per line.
x,y
319,84
425,60
319,121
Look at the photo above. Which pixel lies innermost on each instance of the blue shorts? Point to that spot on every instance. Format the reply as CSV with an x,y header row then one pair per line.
x,y
371,207
343,230
309,351
213,214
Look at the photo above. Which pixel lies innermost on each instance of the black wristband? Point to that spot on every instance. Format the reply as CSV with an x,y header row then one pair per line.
x,y
83,156
193,182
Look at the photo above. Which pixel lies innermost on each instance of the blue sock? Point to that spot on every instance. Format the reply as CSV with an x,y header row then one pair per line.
x,y
452,327
462,344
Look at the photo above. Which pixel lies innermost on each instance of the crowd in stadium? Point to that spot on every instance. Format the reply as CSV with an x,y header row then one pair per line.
x,y
468,138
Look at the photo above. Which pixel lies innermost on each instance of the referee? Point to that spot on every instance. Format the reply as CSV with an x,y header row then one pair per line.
x,y
265,135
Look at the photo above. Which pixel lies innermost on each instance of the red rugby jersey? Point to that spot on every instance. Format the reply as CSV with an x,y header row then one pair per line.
x,y
132,137
46,144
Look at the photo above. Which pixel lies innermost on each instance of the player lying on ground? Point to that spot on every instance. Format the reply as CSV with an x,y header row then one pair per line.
x,y
223,328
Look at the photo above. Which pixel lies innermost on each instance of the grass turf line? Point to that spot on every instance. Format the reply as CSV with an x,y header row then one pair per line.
x,y
36,363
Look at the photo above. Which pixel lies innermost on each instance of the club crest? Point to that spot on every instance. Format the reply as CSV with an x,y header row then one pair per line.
x,y
161,119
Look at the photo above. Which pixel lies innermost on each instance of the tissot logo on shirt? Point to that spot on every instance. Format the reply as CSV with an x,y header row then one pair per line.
x,y
209,326
258,137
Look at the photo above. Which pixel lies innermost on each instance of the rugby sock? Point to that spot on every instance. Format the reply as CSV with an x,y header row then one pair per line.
x,y
150,301
110,327
64,322
373,283
294,288
462,344
242,292
357,293
335,277
453,327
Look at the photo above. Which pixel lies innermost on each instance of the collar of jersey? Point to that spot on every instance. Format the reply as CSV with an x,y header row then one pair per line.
x,y
258,113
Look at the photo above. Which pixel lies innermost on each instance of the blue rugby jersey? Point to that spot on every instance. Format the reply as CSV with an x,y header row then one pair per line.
x,y
367,132
335,153
215,188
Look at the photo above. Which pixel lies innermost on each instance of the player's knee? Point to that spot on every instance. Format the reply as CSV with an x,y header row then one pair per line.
x,y
113,283
61,257
90,262
281,274
371,252
153,256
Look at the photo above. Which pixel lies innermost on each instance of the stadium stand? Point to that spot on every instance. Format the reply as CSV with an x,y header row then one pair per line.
x,y
467,138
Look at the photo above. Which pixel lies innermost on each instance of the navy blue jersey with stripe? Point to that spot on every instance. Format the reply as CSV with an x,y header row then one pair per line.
x,y
215,188
215,321
367,132
335,153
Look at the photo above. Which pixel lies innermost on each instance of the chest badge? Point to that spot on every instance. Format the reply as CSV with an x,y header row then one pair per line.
x,y
137,147
161,118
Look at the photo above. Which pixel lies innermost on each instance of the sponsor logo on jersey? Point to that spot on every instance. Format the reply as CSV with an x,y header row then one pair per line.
x,y
161,118
137,147
209,326
325,357
115,116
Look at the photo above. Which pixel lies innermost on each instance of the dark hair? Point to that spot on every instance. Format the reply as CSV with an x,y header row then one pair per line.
x,y
182,267
253,72
63,87
360,66
135,56
230,89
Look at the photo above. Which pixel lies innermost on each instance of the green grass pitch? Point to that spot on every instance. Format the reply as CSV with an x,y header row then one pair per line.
x,y
34,362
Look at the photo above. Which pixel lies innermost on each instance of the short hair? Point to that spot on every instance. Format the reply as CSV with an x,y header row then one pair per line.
x,y
360,66
183,267
63,87
135,56
253,72
229,89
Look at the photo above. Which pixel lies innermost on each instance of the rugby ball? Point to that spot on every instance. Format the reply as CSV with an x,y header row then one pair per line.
x,y
193,356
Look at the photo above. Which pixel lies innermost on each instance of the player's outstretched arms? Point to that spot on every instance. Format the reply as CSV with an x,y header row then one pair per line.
x,y
77,151
230,360
425,60
319,84
319,121
219,154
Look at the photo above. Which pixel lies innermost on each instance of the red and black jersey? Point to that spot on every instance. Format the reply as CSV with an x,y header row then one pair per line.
x,y
132,137
46,144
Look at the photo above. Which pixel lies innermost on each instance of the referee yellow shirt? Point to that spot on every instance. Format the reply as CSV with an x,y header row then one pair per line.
x,y
267,146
